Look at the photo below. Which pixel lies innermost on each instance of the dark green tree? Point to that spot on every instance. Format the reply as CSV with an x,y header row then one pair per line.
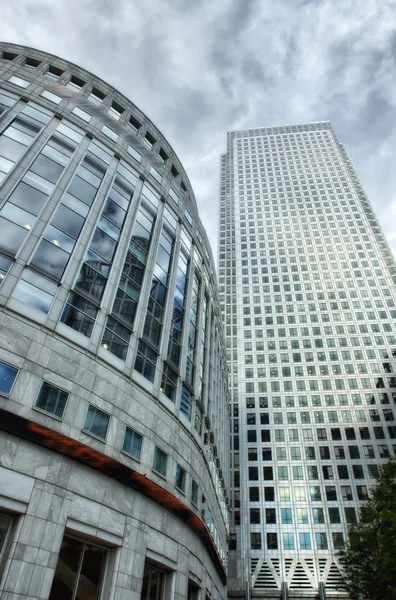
x,y
369,557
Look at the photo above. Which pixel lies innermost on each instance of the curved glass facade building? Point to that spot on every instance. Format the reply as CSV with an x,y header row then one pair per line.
x,y
113,383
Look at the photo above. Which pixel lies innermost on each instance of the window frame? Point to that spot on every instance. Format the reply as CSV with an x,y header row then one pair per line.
x,y
158,472
84,430
129,454
183,474
104,566
46,412
17,369
6,541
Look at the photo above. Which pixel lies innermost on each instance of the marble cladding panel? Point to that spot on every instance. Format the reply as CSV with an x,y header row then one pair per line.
x,y
15,485
58,491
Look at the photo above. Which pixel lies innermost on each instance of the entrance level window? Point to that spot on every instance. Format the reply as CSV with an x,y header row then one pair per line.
x,y
192,591
79,571
5,527
153,586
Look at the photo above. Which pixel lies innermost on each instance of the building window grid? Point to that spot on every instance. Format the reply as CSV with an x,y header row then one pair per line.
x,y
342,416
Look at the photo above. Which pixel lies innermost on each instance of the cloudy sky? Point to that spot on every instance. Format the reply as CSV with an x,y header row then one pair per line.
x,y
200,68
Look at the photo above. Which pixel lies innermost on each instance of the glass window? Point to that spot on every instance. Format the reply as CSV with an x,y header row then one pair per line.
x,y
116,338
169,386
153,585
68,221
6,101
255,541
272,541
318,515
160,461
321,541
305,541
338,540
255,515
146,360
46,168
52,400
350,514
34,290
7,378
50,258
5,264
5,527
79,314
96,422
288,541
19,81
315,493
51,97
79,570
194,493
180,481
132,443
286,514
28,198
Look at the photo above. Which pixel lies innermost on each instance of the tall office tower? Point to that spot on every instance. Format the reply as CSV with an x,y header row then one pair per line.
x,y
114,422
307,286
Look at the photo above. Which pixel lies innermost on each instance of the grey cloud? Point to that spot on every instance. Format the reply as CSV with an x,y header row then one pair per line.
x,y
200,68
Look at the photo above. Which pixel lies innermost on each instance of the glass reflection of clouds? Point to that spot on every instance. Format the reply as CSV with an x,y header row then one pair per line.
x,y
59,238
51,259
31,295
103,245
29,198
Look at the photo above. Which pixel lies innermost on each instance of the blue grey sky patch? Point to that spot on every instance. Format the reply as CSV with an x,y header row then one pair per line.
x,y
201,68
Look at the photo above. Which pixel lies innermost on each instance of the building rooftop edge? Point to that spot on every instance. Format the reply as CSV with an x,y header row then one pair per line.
x,y
282,128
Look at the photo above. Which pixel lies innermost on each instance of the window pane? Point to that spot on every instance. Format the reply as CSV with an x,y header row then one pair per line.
x,y
51,259
116,338
91,281
180,478
79,314
96,422
66,570
82,190
79,571
11,235
114,213
91,573
7,377
160,460
67,220
52,399
29,198
153,584
11,149
29,294
132,442
146,360
5,523
103,245
47,168
18,216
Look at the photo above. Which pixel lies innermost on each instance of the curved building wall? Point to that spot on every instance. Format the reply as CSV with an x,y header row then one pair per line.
x,y
113,397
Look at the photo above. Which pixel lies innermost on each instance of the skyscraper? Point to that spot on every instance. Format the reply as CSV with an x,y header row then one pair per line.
x,y
113,389
307,288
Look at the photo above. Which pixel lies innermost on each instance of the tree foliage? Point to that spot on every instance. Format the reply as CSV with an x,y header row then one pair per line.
x,y
369,557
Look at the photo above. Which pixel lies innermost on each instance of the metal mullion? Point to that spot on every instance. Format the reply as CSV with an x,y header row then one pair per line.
x,y
103,572
79,571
